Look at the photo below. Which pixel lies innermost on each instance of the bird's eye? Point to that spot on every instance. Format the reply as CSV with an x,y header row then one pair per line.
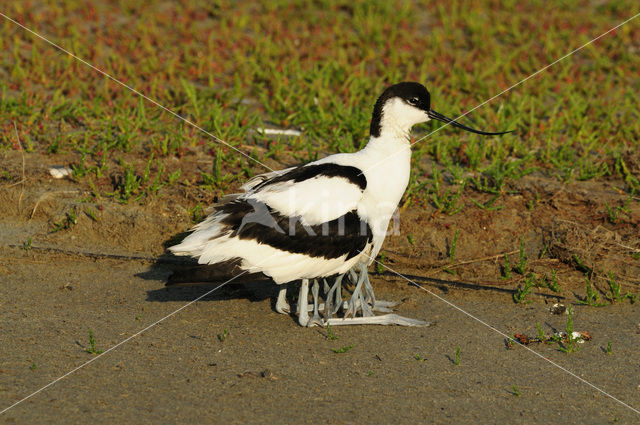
x,y
414,101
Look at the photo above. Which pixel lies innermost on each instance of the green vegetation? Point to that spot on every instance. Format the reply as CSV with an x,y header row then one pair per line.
x,y
234,68
69,220
524,290
90,212
591,298
571,344
223,336
506,270
615,294
521,267
92,343
541,335
343,349
553,284
197,213
452,253
380,262
330,333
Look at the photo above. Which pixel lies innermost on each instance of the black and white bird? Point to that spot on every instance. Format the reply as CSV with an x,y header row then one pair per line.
x,y
324,219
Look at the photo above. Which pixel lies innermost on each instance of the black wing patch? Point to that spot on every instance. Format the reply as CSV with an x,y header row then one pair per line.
x,y
352,174
254,220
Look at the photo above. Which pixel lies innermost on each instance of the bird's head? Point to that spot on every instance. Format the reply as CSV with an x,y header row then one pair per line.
x,y
406,104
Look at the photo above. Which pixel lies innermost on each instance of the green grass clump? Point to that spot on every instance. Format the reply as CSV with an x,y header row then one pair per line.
x,y
506,269
224,335
330,334
70,219
523,290
343,349
92,345
591,297
571,344
521,266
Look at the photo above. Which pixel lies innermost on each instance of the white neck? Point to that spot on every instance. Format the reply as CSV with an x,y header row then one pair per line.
x,y
389,143
398,118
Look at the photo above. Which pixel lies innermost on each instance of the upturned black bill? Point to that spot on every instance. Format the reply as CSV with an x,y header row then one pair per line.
x,y
438,116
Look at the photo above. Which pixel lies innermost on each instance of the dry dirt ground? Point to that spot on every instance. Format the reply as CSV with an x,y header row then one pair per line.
x,y
230,358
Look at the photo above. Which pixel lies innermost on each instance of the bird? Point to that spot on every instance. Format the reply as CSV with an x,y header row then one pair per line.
x,y
324,219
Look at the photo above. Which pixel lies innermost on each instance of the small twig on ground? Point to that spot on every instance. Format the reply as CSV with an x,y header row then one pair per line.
x,y
475,260
24,178
46,195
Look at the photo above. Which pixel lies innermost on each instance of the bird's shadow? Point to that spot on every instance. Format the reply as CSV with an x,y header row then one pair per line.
x,y
253,292
197,280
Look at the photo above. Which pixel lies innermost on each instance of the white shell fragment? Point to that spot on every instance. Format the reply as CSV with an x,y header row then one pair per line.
x,y
59,172
279,132
579,337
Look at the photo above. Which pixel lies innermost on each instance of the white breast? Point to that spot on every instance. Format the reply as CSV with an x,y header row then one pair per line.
x,y
386,164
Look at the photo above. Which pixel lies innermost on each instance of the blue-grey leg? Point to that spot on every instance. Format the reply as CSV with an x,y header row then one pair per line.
x,y
357,296
333,298
303,300
385,319
338,298
370,298
353,276
381,306
282,306
358,301
325,288
315,320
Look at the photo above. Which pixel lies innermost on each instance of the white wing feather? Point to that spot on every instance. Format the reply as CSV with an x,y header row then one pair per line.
x,y
316,200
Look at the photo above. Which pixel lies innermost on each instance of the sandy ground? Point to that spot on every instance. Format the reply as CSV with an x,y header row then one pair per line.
x,y
267,369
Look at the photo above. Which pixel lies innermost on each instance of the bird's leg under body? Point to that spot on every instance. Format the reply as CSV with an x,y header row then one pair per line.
x,y
315,320
381,306
282,306
333,300
358,300
356,296
385,319
370,298
303,306
325,288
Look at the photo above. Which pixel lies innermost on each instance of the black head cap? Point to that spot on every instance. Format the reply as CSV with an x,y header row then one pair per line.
x,y
414,94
